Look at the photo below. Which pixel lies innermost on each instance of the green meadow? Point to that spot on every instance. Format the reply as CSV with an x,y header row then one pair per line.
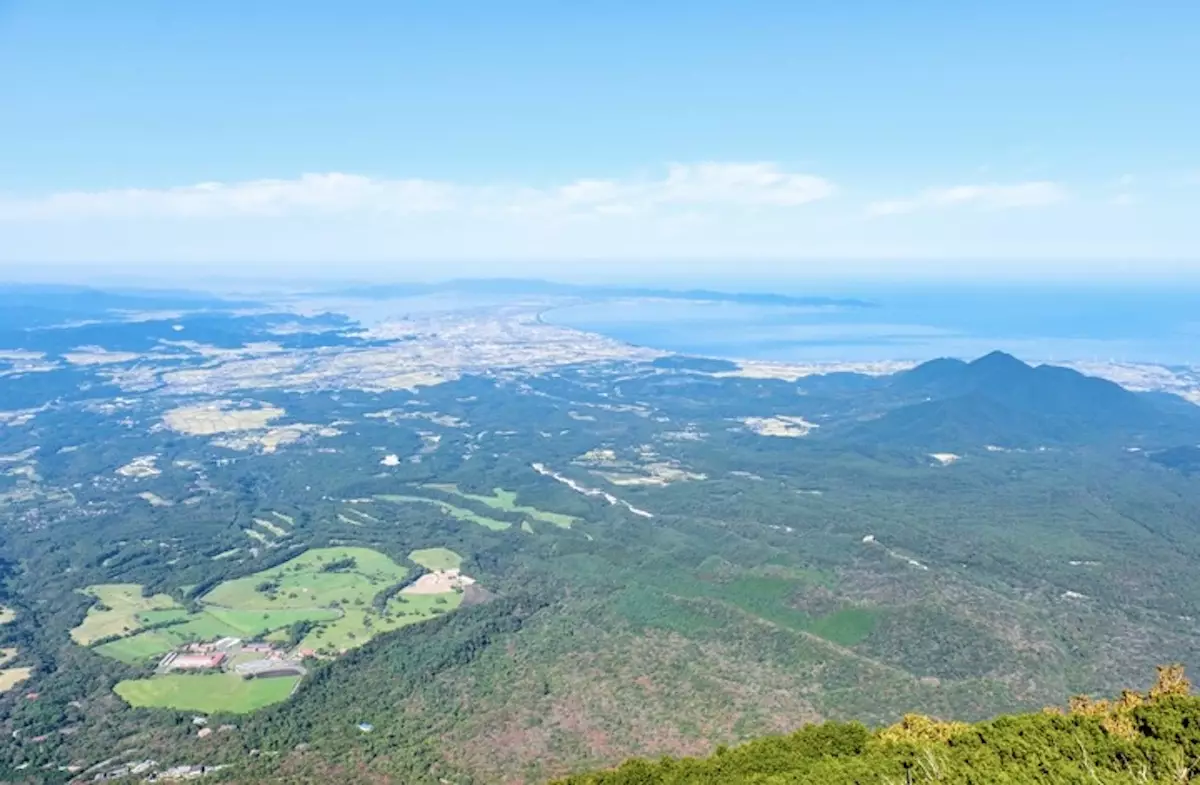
x,y
451,510
117,610
507,501
436,558
206,692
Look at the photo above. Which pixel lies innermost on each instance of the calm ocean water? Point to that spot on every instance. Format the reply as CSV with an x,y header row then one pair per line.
x,y
1044,324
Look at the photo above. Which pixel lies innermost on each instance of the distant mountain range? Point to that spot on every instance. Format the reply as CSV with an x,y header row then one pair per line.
x,y
522,286
999,400
23,306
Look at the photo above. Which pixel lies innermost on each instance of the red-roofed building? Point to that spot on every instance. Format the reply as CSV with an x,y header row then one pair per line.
x,y
197,661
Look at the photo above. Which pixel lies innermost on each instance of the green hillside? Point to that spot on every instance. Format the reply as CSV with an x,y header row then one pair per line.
x,y
1139,738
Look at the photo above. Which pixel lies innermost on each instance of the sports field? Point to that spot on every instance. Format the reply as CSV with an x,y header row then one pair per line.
x,y
454,512
507,501
206,692
122,602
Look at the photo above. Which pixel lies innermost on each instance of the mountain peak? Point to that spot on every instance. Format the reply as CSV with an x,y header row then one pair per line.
x,y
999,361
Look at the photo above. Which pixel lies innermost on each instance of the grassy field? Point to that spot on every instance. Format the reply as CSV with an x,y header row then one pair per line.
x,y
7,615
436,558
212,623
7,656
275,529
209,692
289,520
11,677
138,648
158,617
334,587
303,583
358,625
340,598
124,602
356,513
451,510
507,501
254,535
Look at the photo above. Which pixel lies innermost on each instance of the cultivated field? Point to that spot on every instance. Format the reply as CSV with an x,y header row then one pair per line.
x,y
781,425
219,417
206,692
122,602
454,512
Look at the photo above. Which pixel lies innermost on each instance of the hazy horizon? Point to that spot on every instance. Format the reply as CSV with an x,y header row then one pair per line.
x,y
774,141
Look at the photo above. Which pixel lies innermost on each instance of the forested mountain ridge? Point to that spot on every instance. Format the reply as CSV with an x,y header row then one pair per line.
x,y
1001,401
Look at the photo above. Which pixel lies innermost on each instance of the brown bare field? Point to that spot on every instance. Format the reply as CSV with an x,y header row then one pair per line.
x,y
438,582
208,419
142,466
154,500
781,425
11,677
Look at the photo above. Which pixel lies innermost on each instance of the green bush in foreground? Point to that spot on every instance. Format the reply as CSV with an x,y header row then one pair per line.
x,y
1139,738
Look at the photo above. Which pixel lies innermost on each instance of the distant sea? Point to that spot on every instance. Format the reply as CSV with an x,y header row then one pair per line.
x,y
1036,324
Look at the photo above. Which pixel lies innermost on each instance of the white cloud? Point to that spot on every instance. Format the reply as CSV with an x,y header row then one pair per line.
x,y
696,185
723,218
1039,193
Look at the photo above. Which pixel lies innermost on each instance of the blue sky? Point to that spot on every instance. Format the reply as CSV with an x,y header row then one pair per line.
x,y
419,139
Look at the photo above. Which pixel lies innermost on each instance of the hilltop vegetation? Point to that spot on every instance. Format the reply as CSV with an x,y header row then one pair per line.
x,y
1137,739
